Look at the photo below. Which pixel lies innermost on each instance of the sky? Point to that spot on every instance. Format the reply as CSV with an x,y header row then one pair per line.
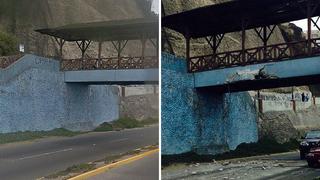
x,y
304,24
155,6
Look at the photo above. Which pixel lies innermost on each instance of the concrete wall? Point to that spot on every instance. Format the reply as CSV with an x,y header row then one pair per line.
x,y
33,96
201,121
140,107
272,101
139,90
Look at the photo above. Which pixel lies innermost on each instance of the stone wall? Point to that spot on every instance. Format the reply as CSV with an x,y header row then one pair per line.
x,y
33,96
141,106
200,121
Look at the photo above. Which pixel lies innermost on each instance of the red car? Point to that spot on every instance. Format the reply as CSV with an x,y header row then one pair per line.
x,y
313,157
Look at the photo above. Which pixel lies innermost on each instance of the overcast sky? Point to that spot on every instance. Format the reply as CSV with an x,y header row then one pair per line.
x,y
304,24
155,6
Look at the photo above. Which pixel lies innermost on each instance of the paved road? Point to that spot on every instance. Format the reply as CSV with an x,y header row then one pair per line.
x,y
146,168
277,167
43,157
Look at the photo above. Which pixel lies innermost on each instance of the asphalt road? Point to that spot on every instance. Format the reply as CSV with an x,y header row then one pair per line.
x,y
287,166
44,157
146,168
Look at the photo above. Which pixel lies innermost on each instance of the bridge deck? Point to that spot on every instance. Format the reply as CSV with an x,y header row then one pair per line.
x,y
303,71
113,77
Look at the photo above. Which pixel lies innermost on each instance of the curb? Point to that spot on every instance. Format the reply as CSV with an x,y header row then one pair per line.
x,y
113,165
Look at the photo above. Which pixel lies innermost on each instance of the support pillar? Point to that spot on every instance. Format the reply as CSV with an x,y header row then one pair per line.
x,y
99,54
293,99
123,91
260,102
154,89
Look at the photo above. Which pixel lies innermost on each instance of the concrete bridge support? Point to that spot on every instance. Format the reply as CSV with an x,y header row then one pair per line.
x,y
34,96
202,121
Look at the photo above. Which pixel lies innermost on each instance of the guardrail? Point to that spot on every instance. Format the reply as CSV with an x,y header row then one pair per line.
x,y
110,63
263,54
6,61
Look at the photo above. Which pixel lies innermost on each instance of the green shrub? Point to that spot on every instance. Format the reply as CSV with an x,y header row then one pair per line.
x,y
126,122
8,44
149,121
31,135
104,127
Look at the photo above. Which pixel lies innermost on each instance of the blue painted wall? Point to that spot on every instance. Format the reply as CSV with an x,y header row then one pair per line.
x,y
201,121
33,96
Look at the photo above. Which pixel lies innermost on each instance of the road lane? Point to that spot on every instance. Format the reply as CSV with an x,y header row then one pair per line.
x,y
43,157
146,168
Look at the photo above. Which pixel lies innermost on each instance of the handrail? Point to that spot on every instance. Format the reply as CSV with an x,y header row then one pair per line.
x,y
261,54
132,62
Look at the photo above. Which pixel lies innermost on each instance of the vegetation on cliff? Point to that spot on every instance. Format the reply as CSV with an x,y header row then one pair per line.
x,y
8,44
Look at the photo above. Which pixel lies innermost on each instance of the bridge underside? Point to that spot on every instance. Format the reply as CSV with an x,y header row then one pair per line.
x,y
113,77
296,72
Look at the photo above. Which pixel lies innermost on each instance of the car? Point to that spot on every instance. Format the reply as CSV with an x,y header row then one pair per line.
x,y
313,157
311,140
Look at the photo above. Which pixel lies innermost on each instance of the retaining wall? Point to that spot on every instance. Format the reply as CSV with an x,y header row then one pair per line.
x,y
33,96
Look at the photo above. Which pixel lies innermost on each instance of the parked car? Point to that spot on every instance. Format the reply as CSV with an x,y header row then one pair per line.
x,y
313,157
311,140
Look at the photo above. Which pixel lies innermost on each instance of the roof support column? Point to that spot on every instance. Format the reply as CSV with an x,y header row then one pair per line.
x,y
214,42
155,45
309,13
60,43
264,33
188,53
143,47
99,54
243,41
119,46
83,46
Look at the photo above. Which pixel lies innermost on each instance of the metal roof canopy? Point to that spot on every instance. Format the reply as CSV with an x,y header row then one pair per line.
x,y
228,17
116,30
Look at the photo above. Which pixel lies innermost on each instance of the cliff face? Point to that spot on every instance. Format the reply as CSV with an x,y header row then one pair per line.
x,y
231,41
22,17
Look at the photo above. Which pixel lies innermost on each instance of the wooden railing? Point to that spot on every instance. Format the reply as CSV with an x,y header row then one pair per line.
x,y
6,61
276,52
110,63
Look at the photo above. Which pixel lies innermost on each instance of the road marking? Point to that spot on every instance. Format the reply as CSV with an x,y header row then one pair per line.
x,y
113,165
45,154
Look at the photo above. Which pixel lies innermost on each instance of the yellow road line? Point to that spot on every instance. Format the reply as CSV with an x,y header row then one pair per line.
x,y
116,164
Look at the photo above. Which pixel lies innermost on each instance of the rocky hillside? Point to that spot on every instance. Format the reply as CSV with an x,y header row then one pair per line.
x,y
231,41
281,125
21,17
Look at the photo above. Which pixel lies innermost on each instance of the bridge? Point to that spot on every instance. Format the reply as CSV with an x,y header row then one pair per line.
x,y
119,70
265,66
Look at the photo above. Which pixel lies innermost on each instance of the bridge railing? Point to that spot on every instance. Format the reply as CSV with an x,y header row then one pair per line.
x,y
263,54
109,63
6,61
